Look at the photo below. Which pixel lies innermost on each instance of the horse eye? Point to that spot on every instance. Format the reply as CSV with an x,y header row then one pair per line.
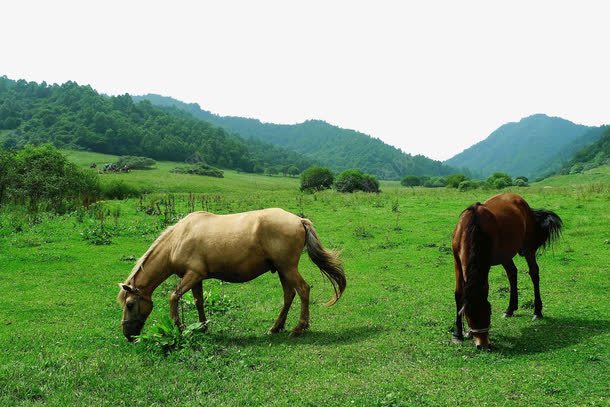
x,y
130,305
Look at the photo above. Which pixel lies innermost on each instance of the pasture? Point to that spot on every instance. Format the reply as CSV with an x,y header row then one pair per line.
x,y
386,342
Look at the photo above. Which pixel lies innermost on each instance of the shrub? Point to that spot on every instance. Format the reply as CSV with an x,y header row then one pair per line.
x,y
118,189
199,169
454,180
467,185
499,180
316,178
435,182
165,336
411,181
42,178
135,162
520,183
356,180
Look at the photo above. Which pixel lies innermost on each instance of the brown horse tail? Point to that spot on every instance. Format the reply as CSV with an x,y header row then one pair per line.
x,y
327,261
548,227
478,263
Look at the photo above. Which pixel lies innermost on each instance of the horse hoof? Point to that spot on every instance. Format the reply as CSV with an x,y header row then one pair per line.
x,y
457,341
274,330
507,314
484,347
468,335
536,317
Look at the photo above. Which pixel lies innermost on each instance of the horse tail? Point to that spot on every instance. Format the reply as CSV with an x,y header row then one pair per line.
x,y
478,262
327,261
548,227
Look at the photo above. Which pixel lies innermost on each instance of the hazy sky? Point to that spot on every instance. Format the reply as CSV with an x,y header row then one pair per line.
x,y
430,77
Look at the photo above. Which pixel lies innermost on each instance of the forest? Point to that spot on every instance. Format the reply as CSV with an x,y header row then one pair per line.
x,y
77,117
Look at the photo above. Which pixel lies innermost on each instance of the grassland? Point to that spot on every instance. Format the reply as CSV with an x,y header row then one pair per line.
x,y
385,343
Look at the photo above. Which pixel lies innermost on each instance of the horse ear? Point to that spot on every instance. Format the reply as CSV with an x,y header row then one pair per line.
x,y
126,287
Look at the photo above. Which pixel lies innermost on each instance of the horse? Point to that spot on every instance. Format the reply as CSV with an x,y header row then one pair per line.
x,y
489,234
234,248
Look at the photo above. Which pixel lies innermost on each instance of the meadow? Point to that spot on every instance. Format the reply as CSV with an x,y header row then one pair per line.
x,y
385,343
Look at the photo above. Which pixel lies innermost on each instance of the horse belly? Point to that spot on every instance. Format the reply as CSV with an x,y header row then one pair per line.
x,y
234,273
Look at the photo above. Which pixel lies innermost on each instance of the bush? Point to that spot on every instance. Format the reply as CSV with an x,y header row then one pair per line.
x,y
42,178
467,185
118,189
199,169
411,181
356,180
316,178
520,183
454,180
499,180
435,182
135,163
165,336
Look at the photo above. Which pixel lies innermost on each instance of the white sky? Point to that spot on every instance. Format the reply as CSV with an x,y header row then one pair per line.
x,y
430,77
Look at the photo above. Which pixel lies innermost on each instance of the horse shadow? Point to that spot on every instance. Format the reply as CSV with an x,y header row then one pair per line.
x,y
318,338
549,334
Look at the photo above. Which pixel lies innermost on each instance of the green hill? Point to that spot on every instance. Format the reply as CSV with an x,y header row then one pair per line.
x,y
529,147
330,145
591,156
75,116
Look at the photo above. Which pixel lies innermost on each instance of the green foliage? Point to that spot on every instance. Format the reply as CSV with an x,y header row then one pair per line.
x,y
73,116
165,336
454,180
135,162
331,146
199,169
467,185
592,156
119,189
41,178
499,180
317,179
411,181
356,180
434,182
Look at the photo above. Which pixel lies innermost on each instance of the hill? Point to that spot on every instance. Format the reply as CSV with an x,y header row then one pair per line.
x,y
591,156
330,145
75,116
529,147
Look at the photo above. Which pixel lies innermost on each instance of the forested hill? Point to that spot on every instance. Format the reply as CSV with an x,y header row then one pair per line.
x,y
590,156
74,116
332,146
529,147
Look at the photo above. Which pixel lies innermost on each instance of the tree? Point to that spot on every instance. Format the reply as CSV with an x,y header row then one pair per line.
x,y
292,171
356,180
316,178
454,180
500,180
411,181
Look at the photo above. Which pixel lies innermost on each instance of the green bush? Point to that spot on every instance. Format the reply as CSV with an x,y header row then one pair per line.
x,y
435,182
118,189
42,178
316,178
454,180
468,185
135,163
411,181
499,180
199,169
165,336
356,180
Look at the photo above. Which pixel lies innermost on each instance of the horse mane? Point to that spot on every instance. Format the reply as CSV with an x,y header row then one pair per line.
x,y
478,263
141,261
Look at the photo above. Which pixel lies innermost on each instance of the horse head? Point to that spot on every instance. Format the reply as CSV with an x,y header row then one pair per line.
x,y
136,309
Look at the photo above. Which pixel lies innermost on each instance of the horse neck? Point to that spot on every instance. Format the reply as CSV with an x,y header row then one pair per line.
x,y
152,273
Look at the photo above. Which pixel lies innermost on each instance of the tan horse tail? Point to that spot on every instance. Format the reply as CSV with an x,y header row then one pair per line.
x,y
327,261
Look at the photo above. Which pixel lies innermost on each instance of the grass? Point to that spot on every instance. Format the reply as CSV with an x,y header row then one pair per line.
x,y
385,343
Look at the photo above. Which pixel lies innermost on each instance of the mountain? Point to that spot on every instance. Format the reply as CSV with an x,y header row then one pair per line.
x,y
590,156
332,146
529,147
75,116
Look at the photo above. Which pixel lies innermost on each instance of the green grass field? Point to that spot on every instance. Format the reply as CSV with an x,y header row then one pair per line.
x,y
386,342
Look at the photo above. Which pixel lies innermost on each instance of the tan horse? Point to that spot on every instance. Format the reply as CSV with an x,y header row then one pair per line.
x,y
234,248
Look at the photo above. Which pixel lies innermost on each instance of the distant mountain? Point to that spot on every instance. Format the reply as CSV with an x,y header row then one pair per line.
x,y
329,145
590,156
530,147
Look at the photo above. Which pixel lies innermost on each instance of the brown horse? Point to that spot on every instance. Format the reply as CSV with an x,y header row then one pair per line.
x,y
489,234
234,248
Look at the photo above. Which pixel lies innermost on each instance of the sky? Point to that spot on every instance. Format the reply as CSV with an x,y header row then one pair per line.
x,y
429,77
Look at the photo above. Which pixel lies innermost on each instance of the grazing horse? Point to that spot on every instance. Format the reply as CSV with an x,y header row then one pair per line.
x,y
489,234
234,248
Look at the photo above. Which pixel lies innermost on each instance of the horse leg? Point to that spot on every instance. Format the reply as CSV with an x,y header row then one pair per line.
x,y
289,294
294,279
187,282
198,296
458,333
534,271
511,273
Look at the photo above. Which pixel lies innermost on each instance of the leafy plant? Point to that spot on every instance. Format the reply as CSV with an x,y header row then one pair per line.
x,y
316,178
165,336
